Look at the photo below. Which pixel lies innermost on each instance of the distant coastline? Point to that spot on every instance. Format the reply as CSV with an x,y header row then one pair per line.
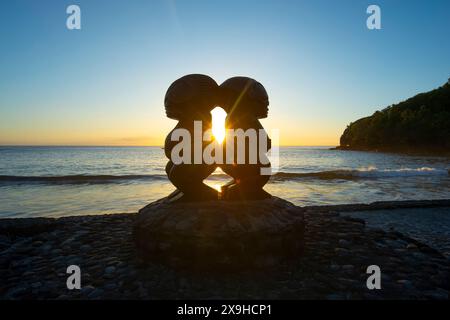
x,y
412,151
418,126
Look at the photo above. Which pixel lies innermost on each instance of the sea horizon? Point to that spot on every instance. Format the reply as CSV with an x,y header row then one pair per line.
x,y
130,146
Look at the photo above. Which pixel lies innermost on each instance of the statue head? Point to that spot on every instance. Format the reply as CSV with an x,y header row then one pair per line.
x,y
191,97
242,96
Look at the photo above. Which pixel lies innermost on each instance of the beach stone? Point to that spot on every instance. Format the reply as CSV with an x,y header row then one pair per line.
x,y
86,290
56,252
46,248
110,270
38,243
110,286
406,284
96,293
16,291
4,240
335,296
344,243
26,226
348,267
334,267
438,294
214,234
85,248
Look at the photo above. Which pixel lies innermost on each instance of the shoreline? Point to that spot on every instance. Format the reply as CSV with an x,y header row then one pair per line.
x,y
35,252
398,151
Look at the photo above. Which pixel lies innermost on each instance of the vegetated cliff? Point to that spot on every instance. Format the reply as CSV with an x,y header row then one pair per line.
x,y
420,124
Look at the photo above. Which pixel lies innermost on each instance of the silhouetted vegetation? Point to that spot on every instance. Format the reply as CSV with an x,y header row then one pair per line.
x,y
419,124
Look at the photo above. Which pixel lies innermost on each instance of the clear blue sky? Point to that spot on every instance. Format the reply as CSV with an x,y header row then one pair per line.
x,y
105,84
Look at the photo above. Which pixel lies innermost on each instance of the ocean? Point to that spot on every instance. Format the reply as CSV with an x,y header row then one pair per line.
x,y
68,181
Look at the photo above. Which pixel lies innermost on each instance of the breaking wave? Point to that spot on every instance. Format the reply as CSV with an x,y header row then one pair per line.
x,y
365,173
78,179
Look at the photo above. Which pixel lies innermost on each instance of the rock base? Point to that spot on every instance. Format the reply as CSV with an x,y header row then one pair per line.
x,y
220,234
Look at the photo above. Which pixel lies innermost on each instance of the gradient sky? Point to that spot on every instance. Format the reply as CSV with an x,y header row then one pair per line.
x,y
105,84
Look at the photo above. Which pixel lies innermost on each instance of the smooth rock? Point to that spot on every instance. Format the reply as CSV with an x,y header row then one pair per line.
x,y
96,293
224,234
86,290
348,267
110,270
438,294
110,286
334,267
407,284
85,248
344,243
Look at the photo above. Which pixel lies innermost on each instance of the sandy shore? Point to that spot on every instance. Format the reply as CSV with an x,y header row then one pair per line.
x,y
34,255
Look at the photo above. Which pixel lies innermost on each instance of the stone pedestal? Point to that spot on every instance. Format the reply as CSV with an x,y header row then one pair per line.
x,y
220,234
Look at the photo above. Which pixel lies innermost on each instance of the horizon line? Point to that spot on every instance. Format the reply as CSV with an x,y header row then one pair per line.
x,y
126,146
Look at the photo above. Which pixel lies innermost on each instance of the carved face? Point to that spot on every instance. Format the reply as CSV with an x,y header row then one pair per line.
x,y
242,96
191,97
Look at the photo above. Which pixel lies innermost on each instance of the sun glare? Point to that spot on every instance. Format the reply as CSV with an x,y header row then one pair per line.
x,y
218,123
217,179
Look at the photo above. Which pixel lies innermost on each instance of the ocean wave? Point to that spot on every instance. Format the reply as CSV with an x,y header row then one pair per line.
x,y
363,173
78,179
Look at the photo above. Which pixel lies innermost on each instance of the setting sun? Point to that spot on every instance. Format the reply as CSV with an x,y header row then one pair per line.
x,y
218,123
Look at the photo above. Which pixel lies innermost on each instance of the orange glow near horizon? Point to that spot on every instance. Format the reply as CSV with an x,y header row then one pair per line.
x,y
139,131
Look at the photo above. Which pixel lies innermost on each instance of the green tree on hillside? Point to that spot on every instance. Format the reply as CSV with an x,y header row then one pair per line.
x,y
419,123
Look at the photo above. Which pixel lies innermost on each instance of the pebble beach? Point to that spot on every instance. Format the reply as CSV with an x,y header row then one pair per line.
x,y
35,254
